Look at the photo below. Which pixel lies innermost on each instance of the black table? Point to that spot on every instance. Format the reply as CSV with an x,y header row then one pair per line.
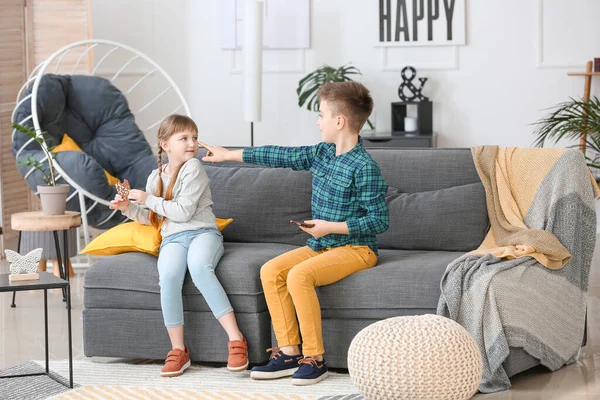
x,y
388,140
46,281
37,221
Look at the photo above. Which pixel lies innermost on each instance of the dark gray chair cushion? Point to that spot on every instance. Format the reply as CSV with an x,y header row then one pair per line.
x,y
96,115
453,219
110,282
261,202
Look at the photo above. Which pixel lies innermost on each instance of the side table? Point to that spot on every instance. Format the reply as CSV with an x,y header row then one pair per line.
x,y
38,221
46,281
387,140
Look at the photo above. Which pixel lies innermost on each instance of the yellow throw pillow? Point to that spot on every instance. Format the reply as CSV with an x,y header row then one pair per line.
x,y
222,223
132,236
69,144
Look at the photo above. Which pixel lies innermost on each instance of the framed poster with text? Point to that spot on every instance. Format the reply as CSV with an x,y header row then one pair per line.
x,y
421,23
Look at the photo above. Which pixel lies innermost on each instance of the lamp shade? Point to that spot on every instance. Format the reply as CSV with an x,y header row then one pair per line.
x,y
252,54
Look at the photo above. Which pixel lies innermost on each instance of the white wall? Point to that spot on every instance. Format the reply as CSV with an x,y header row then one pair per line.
x,y
486,92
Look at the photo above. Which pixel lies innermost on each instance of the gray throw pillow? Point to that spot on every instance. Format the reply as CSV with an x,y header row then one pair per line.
x,y
261,201
453,219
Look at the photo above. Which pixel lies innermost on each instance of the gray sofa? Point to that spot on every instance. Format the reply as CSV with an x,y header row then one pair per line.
x,y
437,213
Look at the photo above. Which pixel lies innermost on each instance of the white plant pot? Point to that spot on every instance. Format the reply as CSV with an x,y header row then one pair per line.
x,y
54,198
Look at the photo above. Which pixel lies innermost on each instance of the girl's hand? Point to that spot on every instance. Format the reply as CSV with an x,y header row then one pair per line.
x,y
118,203
320,229
138,196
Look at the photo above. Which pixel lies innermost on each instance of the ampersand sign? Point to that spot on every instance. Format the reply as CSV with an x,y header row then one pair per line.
x,y
414,93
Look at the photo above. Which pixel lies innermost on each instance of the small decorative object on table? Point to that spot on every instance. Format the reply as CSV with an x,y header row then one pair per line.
x,y
597,64
418,122
412,118
410,124
414,92
23,268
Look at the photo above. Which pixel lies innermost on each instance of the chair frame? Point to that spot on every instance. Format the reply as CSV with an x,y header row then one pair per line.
x,y
35,78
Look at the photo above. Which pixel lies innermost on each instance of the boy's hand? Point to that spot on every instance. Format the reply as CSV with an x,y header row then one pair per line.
x,y
320,229
217,154
214,153
138,196
119,203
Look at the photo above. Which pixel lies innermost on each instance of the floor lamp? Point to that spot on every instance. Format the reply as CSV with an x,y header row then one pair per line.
x,y
252,72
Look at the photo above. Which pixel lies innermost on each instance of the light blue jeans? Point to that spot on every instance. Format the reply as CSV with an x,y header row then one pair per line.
x,y
199,251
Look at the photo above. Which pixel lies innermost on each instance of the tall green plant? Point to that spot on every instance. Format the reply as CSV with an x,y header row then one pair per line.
x,y
573,120
310,84
48,176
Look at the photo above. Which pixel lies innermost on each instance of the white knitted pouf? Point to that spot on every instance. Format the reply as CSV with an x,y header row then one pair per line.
x,y
415,357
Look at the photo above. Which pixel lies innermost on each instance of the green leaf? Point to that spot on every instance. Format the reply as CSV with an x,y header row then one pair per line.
x,y
308,94
305,80
310,84
31,162
313,104
569,120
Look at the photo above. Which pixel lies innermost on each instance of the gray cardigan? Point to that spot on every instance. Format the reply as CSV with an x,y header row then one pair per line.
x,y
191,207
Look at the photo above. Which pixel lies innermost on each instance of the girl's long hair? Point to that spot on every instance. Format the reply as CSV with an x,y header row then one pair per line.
x,y
168,127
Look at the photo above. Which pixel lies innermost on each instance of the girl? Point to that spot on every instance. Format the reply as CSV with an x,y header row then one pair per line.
x,y
181,207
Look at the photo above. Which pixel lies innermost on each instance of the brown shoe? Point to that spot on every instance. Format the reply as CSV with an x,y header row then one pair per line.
x,y
238,355
177,361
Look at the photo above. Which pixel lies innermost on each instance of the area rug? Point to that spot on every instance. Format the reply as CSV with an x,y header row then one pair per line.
x,y
31,387
142,381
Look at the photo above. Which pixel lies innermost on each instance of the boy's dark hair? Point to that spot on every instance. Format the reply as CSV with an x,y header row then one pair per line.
x,y
351,99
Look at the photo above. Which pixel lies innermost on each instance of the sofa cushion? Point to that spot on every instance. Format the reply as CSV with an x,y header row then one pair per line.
x,y
401,280
453,219
261,201
130,280
424,170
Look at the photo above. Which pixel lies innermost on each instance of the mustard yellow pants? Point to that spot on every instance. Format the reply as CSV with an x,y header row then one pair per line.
x,y
289,282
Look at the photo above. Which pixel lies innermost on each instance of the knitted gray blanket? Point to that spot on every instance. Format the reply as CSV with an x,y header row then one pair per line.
x,y
502,293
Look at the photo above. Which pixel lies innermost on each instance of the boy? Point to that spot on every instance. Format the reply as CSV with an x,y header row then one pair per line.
x,y
348,209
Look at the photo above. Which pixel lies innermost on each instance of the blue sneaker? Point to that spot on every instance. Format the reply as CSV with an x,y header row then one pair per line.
x,y
310,372
279,365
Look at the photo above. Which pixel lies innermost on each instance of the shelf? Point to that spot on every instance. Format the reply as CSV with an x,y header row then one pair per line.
x,y
583,73
411,134
395,135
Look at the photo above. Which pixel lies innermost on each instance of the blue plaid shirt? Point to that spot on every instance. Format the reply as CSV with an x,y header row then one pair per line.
x,y
347,188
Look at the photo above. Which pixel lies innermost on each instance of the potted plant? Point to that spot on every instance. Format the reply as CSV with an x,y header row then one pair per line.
x,y
574,119
308,86
52,195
